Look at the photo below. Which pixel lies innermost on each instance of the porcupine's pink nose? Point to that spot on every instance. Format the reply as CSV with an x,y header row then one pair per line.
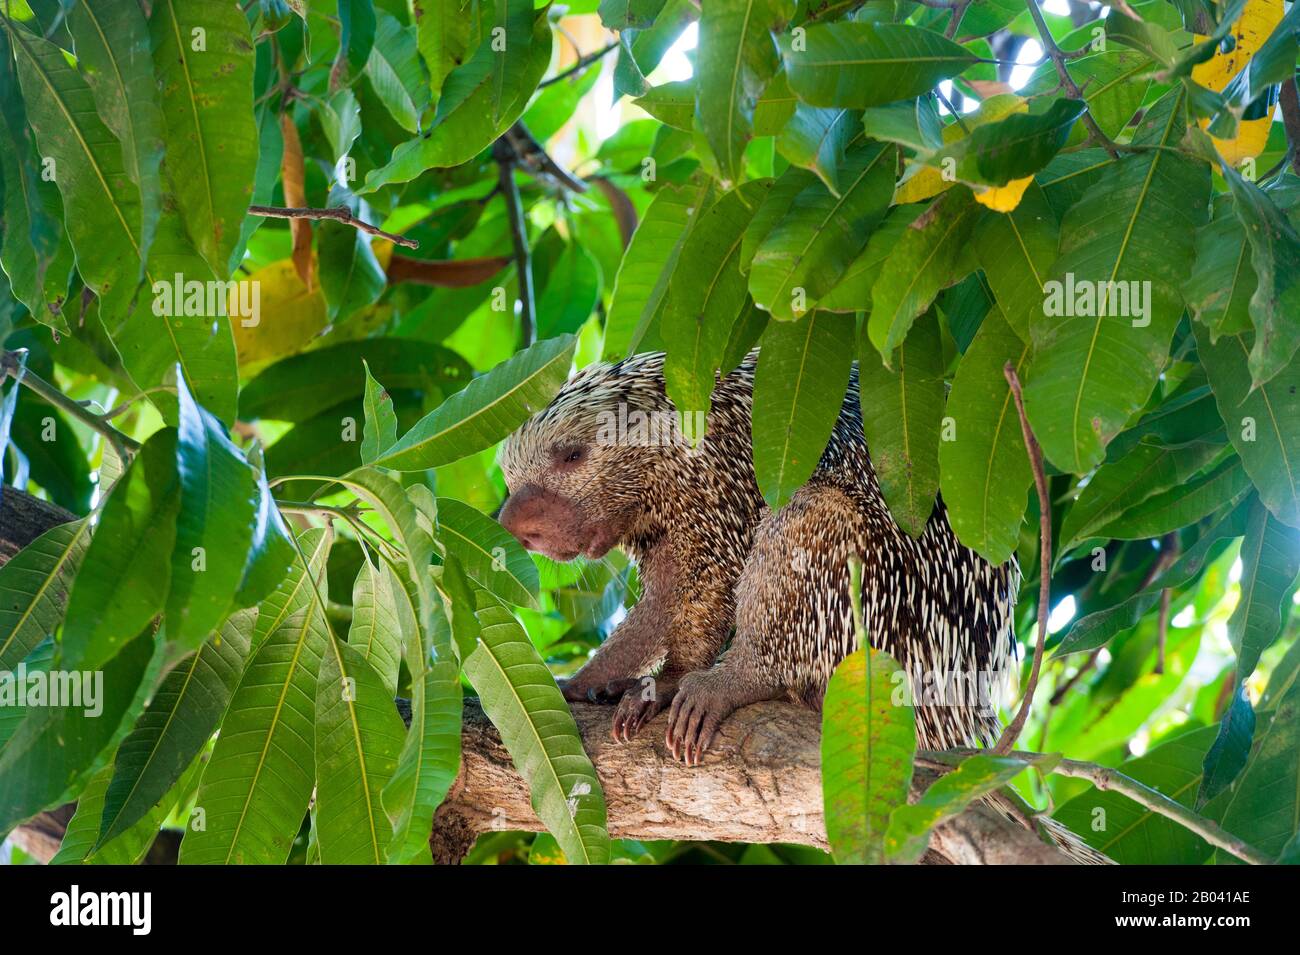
x,y
541,521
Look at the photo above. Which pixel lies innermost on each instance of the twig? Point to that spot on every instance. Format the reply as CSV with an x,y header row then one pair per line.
x,y
505,156
958,11
1107,779
1291,121
532,155
1162,630
339,214
1012,731
11,365
580,66
1058,57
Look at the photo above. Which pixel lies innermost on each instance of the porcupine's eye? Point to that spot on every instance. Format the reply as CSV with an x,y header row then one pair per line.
x,y
569,454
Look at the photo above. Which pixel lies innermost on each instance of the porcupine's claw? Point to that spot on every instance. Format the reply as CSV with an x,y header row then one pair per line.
x,y
698,710
634,711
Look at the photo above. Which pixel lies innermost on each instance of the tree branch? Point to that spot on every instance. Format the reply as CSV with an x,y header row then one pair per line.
x,y
11,365
760,782
503,152
1012,730
1058,58
337,213
580,66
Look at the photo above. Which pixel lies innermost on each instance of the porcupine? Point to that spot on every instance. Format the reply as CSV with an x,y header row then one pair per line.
x,y
592,471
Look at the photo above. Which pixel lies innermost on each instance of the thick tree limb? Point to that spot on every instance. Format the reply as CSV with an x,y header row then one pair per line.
x,y
759,782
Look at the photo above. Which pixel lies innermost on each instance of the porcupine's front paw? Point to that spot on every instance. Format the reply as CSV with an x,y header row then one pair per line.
x,y
640,705
701,704
578,690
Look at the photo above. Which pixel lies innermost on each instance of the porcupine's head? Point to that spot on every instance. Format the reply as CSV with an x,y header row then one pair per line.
x,y
579,470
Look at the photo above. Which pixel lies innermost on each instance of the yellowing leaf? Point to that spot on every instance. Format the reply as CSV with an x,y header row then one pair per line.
x,y
288,316
1004,198
1257,23
922,182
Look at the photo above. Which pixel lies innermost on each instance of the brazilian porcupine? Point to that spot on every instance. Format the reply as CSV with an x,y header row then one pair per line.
x,y
605,464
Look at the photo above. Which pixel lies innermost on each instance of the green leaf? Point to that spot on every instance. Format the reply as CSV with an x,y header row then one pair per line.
x,y
1131,834
487,410
488,552
641,287
852,293
1147,470
630,14
1263,423
1262,806
737,58
430,758
211,153
927,259
818,139
1016,250
442,34
908,834
479,101
519,695
1226,758
856,65
1219,289
358,738
394,71
1275,259
706,295
378,628
673,104
902,428
174,728
1270,561
1011,148
1093,630
270,550
113,51
984,473
799,386
130,848
379,430
214,526
571,293
35,252
350,275
34,586
867,748
304,385
808,250
56,748
1090,372
356,37
100,205
1180,506
257,784
123,579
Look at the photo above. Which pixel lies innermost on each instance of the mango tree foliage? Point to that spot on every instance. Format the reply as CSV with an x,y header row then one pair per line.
x,y
277,278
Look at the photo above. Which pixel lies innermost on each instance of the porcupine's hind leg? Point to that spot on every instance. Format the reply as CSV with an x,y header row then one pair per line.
x,y
793,618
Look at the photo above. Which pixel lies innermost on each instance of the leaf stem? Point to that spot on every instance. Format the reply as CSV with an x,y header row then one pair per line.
x,y
12,365
1058,57
581,65
1012,731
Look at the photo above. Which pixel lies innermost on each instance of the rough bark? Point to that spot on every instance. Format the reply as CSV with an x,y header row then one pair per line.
x,y
760,782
